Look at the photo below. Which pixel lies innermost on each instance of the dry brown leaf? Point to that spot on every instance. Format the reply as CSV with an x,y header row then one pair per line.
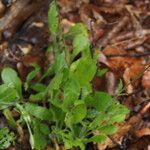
x,y
70,5
146,80
66,24
132,126
142,132
129,68
145,109
29,60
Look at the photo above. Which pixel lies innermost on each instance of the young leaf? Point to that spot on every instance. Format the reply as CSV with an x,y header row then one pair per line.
x,y
37,97
6,138
53,18
60,63
56,82
10,118
33,74
7,96
9,77
38,111
26,117
58,114
40,139
98,138
38,87
102,101
83,70
77,114
71,93
108,129
80,43
120,88
78,28
101,72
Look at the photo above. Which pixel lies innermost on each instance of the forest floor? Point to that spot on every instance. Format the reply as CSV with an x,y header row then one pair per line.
x,y
119,29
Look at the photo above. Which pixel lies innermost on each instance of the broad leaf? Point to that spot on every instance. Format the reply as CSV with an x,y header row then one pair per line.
x,y
79,28
7,96
98,138
6,138
9,117
56,82
10,77
102,101
108,129
38,111
77,114
38,87
80,43
83,70
71,93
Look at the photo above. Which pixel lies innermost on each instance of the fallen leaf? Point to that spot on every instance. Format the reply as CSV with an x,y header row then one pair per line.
x,y
146,80
142,132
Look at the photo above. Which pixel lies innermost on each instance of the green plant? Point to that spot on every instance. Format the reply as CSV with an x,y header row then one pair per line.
x,y
66,110
6,138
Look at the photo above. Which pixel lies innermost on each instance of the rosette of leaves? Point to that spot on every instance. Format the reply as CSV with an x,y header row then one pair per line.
x,y
66,110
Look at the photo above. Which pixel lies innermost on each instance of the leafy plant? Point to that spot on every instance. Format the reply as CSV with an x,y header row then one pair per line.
x,y
6,138
66,110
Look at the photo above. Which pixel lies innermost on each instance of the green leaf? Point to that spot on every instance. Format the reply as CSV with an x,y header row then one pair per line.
x,y
83,70
100,118
117,118
37,97
38,87
71,93
102,101
120,88
58,114
78,28
7,96
101,72
6,138
77,114
38,111
86,90
108,129
9,117
44,128
40,140
32,74
49,72
9,77
117,108
98,138
60,63
56,82
80,43
53,18
27,118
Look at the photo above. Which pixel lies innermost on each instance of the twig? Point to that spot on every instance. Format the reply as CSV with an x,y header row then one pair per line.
x,y
131,82
136,43
114,31
128,55
136,78
18,13
123,37
145,109
147,46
